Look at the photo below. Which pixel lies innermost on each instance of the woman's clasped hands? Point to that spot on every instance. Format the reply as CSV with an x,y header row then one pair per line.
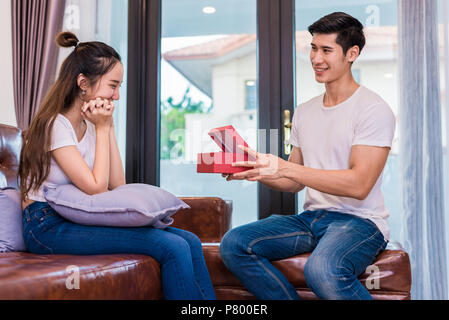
x,y
98,111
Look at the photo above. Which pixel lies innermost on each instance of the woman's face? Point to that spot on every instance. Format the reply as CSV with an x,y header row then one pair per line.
x,y
108,85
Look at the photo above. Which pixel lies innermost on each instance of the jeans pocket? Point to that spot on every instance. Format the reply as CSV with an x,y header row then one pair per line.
x,y
49,220
35,245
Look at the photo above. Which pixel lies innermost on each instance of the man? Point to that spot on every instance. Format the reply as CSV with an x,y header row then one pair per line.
x,y
341,140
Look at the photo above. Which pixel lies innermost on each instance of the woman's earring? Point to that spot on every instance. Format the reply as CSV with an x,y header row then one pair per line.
x,y
83,92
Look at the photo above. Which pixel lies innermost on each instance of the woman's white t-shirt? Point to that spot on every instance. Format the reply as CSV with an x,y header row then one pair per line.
x,y
63,135
325,136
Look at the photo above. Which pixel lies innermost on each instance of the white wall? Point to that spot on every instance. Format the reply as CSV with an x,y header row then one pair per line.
x,y
7,113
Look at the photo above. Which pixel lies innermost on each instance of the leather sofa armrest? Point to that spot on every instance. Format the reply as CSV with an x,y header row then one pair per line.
x,y
395,245
10,145
208,217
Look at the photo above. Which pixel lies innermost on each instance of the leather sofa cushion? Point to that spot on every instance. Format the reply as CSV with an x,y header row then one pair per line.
x,y
117,276
129,276
394,275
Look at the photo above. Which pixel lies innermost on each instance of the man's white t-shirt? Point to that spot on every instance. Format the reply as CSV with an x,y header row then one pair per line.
x,y
325,136
63,135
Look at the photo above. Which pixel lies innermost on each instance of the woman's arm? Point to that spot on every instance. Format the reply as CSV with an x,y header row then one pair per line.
x,y
116,171
75,167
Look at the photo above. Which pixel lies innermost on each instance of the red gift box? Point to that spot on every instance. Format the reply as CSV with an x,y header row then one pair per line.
x,y
221,162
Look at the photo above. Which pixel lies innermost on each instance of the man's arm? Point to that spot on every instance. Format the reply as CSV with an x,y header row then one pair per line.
x,y
365,165
279,183
287,184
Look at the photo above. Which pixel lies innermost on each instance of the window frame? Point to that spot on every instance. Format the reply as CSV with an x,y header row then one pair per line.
x,y
275,91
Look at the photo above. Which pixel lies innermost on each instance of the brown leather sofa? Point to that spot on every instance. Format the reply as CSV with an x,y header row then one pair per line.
x,y
24,275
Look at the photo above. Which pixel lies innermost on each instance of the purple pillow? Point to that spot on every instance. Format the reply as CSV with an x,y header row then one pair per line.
x,y
130,205
11,238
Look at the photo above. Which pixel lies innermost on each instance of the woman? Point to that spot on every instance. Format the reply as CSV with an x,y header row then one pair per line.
x,y
72,140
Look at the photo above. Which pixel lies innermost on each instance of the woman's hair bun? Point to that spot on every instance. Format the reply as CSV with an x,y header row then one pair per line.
x,y
66,39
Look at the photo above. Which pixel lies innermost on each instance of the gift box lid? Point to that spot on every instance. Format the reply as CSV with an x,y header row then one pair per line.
x,y
227,139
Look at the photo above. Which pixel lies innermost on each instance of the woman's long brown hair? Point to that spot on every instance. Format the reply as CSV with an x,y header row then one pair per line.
x,y
93,60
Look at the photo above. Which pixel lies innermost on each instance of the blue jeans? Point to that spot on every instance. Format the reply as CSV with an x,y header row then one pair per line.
x,y
183,268
342,246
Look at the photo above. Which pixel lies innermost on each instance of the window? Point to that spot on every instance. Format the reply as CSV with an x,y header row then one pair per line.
x,y
208,52
106,21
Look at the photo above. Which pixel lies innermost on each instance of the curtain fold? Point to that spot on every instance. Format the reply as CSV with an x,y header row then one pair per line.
x,y
421,148
35,24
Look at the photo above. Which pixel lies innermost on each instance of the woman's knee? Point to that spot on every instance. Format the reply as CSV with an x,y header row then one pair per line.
x,y
191,238
193,241
175,247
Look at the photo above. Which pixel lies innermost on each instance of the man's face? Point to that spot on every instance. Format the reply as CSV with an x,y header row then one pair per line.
x,y
327,58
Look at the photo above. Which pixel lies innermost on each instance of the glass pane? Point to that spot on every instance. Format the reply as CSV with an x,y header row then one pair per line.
x,y
208,80
376,68
105,21
443,21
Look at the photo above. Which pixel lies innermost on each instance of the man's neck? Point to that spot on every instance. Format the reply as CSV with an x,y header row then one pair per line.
x,y
339,91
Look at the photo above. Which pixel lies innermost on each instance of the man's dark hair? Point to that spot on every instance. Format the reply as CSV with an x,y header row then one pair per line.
x,y
349,30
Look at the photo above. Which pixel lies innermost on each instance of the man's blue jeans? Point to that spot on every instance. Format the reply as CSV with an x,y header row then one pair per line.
x,y
183,268
342,247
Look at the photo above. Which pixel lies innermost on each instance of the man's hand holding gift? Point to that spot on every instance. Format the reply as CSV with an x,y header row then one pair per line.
x,y
264,166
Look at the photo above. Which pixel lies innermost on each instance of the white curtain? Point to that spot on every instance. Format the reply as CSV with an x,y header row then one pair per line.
x,y
421,149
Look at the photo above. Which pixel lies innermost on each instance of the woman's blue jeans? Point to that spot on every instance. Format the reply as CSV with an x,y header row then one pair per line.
x,y
179,252
342,247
